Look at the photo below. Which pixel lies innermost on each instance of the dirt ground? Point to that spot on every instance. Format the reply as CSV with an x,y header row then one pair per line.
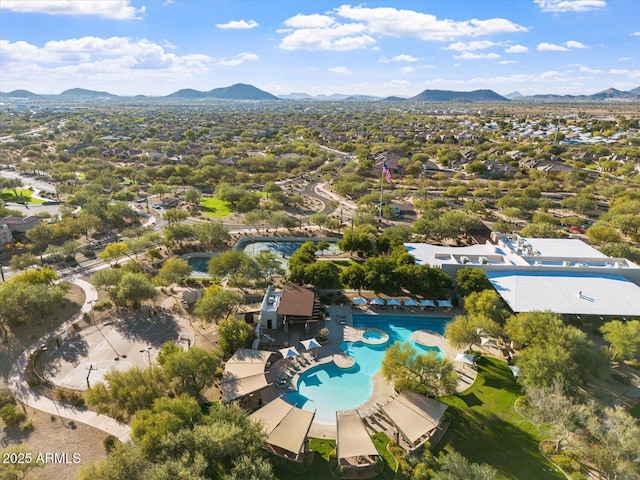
x,y
54,435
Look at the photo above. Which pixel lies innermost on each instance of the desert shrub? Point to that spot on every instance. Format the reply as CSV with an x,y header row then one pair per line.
x,y
12,416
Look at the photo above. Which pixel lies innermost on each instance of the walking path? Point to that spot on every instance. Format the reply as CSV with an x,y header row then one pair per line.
x,y
24,393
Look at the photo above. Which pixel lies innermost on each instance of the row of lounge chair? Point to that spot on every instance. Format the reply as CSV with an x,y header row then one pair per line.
x,y
397,303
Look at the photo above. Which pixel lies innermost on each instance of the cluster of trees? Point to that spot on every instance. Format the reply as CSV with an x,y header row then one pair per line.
x,y
240,270
29,295
305,269
126,285
178,372
173,438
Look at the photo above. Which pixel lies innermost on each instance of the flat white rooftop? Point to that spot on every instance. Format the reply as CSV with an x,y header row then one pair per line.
x,y
568,293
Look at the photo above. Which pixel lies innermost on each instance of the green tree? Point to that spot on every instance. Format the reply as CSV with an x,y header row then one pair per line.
x,y
229,262
193,369
234,334
454,466
216,304
540,230
18,470
354,276
602,234
425,373
213,235
461,331
174,270
268,264
193,196
472,280
175,215
25,260
114,251
133,288
176,233
624,338
486,304
122,394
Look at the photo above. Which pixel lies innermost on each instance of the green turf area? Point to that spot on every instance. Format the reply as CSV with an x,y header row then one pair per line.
x,y
486,428
215,208
24,196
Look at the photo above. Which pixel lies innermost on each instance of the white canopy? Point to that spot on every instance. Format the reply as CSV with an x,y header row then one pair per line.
x,y
488,342
240,387
309,344
464,358
289,352
515,370
244,373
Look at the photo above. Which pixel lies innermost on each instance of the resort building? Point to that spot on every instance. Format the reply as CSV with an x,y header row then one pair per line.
x,y
565,276
293,305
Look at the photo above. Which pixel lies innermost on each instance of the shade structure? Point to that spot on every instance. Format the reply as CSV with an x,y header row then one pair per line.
x,y
285,425
310,344
239,387
427,303
289,352
244,373
359,301
353,439
376,301
488,342
515,370
444,304
414,415
393,302
410,302
465,358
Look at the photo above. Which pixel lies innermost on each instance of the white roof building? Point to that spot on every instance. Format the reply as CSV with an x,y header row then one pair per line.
x,y
562,275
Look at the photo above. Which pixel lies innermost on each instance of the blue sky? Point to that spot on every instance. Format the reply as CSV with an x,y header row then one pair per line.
x,y
131,47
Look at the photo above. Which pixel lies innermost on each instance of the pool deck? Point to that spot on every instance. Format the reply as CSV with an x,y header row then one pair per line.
x,y
341,329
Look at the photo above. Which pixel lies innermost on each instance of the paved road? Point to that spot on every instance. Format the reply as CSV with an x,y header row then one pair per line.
x,y
22,392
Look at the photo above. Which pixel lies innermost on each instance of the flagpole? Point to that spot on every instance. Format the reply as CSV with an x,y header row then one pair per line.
x,y
381,185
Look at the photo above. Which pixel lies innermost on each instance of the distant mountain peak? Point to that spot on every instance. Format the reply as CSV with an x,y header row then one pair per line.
x,y
453,96
238,91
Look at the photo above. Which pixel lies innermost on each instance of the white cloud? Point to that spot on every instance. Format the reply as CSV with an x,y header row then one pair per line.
x,y
341,37
362,25
471,46
117,64
342,70
517,49
407,69
409,23
574,44
560,6
584,69
112,9
238,59
635,34
237,25
550,47
625,59
506,62
309,21
629,73
399,58
476,56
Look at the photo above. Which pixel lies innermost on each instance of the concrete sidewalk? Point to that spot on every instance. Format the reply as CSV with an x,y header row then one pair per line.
x,y
19,388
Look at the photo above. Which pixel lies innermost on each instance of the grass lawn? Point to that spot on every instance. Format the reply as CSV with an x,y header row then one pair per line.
x,y
24,196
485,427
215,208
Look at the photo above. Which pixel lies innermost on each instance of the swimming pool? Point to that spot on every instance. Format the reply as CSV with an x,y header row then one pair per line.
x,y
327,388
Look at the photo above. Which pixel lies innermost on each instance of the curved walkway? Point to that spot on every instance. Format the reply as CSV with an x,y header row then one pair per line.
x,y
24,393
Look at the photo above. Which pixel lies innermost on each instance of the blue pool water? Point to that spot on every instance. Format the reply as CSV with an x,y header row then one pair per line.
x,y
327,388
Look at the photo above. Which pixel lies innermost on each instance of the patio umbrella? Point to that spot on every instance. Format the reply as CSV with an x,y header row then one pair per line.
x,y
444,304
376,301
464,358
393,302
289,352
410,302
515,370
309,344
488,342
359,301
427,303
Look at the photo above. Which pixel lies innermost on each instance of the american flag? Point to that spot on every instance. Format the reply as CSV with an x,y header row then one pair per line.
x,y
386,172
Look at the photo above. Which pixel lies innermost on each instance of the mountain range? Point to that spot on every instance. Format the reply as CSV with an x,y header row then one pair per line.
x,y
245,92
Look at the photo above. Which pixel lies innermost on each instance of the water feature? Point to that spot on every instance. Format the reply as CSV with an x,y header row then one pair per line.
x,y
327,388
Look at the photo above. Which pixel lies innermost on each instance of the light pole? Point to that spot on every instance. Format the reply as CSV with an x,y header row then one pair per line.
x,y
148,351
